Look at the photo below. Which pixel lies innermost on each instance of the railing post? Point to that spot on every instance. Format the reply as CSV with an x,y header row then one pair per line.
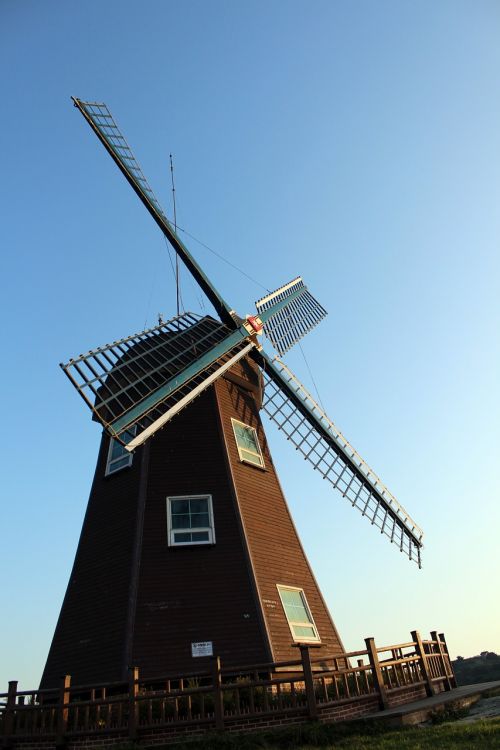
x,y
365,676
419,648
305,655
218,696
443,645
8,720
442,660
133,708
378,679
63,710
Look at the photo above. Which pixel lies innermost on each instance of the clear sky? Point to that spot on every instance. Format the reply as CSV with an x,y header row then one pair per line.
x,y
355,143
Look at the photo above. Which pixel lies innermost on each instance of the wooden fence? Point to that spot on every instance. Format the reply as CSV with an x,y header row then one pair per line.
x,y
222,699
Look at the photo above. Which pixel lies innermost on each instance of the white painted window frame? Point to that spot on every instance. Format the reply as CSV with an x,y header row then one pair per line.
x,y
244,460
210,528
299,639
110,461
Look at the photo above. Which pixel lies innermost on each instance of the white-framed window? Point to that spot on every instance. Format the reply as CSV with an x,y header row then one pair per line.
x,y
298,614
118,456
190,520
247,443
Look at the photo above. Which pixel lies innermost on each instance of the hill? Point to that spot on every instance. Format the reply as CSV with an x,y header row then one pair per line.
x,y
482,668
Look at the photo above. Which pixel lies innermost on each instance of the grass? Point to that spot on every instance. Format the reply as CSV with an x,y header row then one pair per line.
x,y
361,735
443,733
480,735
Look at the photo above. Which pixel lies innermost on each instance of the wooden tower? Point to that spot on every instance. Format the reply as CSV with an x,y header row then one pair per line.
x,y
188,548
137,597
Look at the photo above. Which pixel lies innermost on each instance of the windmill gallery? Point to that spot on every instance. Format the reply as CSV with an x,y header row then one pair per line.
x,y
188,551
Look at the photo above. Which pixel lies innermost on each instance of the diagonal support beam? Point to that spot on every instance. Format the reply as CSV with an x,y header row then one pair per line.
x,y
133,414
157,424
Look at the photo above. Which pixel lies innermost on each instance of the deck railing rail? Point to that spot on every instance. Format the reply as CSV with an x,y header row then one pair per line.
x,y
219,696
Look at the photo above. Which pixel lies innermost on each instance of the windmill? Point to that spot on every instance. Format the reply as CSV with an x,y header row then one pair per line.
x,y
187,547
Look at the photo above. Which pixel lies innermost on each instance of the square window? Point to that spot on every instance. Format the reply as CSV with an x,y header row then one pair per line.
x,y
190,520
118,456
247,443
298,614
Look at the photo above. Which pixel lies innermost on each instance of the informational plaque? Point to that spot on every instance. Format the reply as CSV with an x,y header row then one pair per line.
x,y
203,648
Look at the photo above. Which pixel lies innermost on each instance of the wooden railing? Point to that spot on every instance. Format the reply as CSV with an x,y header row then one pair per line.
x,y
220,697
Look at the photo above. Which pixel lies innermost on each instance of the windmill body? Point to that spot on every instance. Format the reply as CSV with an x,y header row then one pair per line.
x,y
134,598
188,548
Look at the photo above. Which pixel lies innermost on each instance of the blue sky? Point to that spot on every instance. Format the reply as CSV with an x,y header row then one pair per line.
x,y
355,143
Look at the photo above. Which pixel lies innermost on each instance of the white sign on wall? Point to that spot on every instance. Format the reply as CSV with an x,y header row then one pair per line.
x,y
203,648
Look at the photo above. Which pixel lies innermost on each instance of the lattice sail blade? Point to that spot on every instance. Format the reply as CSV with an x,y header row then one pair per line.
x,y
135,385
298,416
104,126
290,313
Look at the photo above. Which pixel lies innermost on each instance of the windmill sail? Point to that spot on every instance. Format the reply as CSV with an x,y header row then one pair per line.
x,y
140,382
293,312
102,123
137,384
305,424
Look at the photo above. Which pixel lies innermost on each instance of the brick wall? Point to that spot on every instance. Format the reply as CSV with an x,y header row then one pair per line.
x,y
439,686
407,694
346,710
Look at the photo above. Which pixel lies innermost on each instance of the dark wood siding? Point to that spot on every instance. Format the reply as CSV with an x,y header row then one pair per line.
x,y
194,593
133,600
89,639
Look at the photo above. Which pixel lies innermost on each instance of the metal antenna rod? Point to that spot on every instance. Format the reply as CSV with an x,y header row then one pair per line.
x,y
177,279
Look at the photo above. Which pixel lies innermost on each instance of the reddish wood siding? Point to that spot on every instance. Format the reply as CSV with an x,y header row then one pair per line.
x,y
275,549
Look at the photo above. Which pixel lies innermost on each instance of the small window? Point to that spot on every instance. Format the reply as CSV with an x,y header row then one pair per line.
x,y
298,614
118,456
190,520
248,443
